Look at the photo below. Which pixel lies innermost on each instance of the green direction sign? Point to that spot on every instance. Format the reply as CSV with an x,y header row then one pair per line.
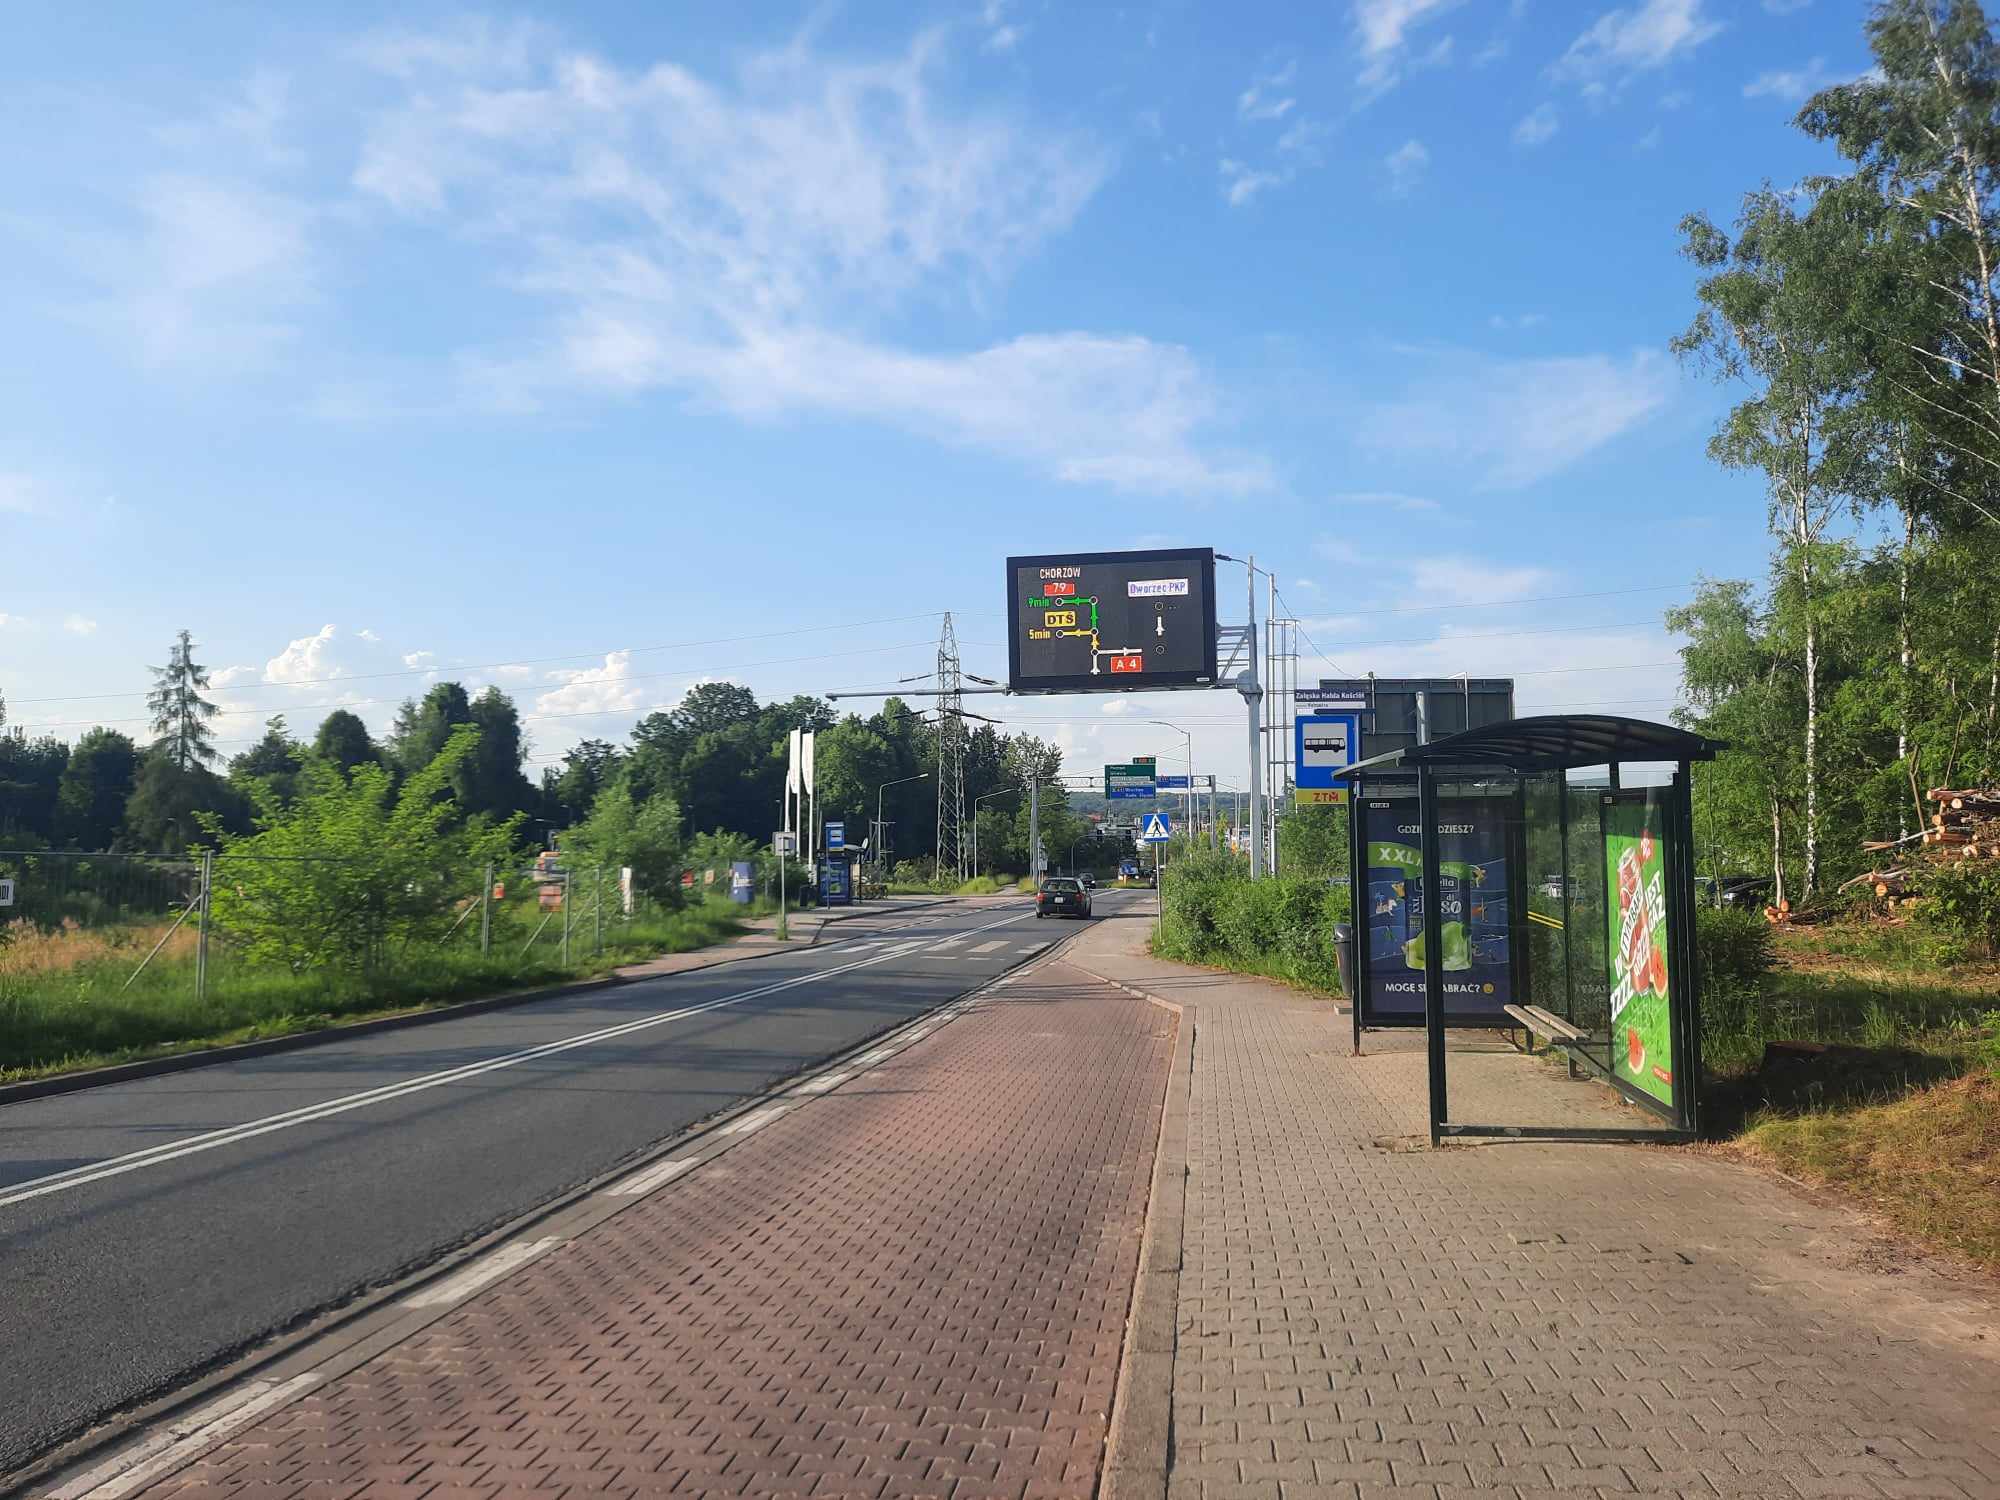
x,y
1642,1047
1134,779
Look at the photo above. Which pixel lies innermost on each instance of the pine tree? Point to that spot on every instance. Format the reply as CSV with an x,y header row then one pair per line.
x,y
180,713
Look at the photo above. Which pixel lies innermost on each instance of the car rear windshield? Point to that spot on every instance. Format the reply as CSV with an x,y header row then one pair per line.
x,y
1063,885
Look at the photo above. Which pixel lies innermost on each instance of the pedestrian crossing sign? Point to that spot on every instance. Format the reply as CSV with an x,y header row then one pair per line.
x,y
1155,828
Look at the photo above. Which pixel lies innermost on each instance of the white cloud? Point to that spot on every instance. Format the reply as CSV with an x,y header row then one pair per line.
x,y
1002,35
1512,423
731,242
368,635
1241,183
1785,7
419,660
1649,35
1538,126
212,274
229,677
79,625
1406,166
1674,99
1266,98
1521,321
1456,580
1302,139
12,622
601,689
1789,84
309,658
1382,30
1650,141
1385,500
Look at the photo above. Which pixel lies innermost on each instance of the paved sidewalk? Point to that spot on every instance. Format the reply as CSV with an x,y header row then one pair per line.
x,y
913,1285
1362,1316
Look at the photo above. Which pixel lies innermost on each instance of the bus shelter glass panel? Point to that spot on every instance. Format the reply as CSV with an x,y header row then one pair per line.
x,y
1480,900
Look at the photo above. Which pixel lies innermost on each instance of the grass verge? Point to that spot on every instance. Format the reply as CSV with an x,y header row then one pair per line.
x,y
1928,1163
59,1020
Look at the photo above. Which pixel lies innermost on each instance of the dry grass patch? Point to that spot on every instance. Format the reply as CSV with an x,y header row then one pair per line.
x,y
1928,1163
27,950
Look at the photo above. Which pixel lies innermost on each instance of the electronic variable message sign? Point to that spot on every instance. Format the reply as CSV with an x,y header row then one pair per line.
x,y
1111,622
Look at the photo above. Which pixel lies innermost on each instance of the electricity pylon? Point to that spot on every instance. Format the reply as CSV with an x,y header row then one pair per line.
x,y
951,759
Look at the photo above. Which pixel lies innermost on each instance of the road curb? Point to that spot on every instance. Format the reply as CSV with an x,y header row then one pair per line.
x,y
343,1337
342,1031
1139,1448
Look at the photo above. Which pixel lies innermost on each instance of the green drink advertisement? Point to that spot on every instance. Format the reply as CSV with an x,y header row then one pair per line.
x,y
1635,866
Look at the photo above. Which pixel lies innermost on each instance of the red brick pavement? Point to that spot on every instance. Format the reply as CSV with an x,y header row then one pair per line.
x,y
916,1285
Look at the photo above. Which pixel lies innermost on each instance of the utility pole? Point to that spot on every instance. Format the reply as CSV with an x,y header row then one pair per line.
x,y
1253,696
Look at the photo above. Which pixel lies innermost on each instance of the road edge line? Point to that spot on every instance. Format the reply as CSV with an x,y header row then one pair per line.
x,y
56,1084
379,1319
1138,1447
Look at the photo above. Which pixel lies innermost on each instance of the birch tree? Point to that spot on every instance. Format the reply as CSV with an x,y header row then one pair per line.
x,y
1770,320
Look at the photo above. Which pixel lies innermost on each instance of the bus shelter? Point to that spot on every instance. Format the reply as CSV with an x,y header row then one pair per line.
x,y
1537,875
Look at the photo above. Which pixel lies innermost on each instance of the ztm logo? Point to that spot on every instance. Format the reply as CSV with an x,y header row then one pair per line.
x,y
1128,663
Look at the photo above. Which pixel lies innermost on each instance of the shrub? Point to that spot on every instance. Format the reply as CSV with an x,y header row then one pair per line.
x,y
1735,947
1962,903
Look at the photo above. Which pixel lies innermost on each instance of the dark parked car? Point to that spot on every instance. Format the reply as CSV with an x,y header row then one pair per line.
x,y
1062,896
1750,892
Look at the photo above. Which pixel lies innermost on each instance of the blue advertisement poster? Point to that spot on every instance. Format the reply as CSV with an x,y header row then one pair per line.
x,y
1473,909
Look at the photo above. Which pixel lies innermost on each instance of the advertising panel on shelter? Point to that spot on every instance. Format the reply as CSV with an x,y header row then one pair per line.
x,y
1111,622
1473,907
1636,908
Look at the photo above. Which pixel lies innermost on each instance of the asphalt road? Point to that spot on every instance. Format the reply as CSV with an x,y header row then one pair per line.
x,y
149,1229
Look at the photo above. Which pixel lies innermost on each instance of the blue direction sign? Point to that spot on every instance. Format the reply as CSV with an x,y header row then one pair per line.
x,y
1133,779
836,835
1171,783
1155,828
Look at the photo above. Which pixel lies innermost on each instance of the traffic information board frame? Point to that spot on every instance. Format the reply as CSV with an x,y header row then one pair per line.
x,y
1111,622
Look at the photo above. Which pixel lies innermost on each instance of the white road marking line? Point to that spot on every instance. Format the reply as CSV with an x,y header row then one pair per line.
x,y
179,1441
988,947
1036,947
655,1176
939,947
754,1121
822,1085
872,1057
482,1273
152,1156
998,983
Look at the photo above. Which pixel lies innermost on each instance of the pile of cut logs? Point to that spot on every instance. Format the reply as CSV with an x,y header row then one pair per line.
x,y
1965,825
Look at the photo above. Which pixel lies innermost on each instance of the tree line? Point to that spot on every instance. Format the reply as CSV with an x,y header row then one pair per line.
x,y
712,767
1857,314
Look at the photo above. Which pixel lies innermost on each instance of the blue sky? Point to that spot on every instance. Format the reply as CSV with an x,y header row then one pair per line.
x,y
368,341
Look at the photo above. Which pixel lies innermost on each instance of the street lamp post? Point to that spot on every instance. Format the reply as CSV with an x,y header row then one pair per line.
x,y
975,820
1188,746
876,842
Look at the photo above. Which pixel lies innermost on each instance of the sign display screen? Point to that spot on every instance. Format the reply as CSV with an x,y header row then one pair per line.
x,y
1110,622
1473,909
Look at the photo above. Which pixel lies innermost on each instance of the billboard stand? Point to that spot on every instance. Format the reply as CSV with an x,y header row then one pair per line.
x,y
1440,836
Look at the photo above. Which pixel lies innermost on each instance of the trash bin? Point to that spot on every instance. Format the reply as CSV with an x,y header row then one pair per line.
x,y
1343,948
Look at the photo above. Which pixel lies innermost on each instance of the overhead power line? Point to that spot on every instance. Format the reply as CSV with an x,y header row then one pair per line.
x,y
532,661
